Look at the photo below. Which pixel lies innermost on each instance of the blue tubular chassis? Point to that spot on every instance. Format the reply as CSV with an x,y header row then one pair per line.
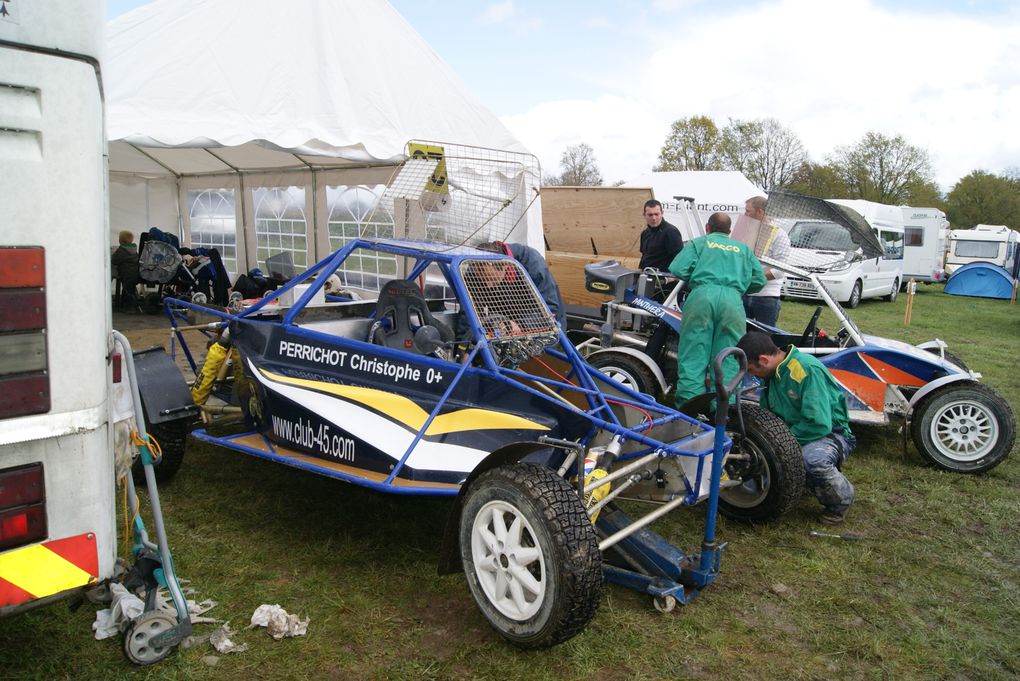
x,y
324,398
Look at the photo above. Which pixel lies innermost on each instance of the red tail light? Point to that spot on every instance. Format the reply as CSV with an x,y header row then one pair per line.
x,y
24,366
22,506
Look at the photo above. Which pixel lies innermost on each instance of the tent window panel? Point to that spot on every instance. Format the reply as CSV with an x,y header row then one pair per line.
x,y
212,216
280,225
353,214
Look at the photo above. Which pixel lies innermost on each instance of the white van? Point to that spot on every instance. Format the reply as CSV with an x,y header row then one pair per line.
x,y
996,244
925,232
827,247
57,512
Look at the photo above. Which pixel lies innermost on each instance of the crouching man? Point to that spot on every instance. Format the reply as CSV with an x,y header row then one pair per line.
x,y
802,392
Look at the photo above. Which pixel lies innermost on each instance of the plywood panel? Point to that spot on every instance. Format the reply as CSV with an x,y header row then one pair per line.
x,y
568,270
602,221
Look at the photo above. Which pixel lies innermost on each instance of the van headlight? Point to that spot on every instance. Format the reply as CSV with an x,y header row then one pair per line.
x,y
840,267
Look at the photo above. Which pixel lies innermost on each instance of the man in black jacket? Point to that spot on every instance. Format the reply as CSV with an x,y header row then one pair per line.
x,y
660,241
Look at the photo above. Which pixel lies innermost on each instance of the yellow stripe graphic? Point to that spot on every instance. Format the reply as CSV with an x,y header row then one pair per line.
x,y
410,414
41,572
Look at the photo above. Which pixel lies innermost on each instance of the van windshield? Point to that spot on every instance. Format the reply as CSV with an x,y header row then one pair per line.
x,y
821,236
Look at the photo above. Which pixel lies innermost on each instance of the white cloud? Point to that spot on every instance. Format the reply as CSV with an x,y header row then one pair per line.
x,y
497,13
829,71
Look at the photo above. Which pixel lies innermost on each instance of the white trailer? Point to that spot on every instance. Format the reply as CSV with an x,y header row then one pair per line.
x,y
925,232
996,244
57,502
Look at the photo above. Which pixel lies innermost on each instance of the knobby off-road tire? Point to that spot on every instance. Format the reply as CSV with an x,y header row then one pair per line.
x,y
773,478
530,555
172,437
964,427
628,371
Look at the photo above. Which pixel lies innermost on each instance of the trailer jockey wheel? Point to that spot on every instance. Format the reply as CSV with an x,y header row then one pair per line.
x,y
664,604
138,646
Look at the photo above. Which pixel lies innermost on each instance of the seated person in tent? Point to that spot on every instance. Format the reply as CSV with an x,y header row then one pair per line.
x,y
124,264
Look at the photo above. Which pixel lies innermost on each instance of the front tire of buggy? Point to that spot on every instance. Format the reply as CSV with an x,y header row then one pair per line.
x,y
964,428
770,472
530,555
172,437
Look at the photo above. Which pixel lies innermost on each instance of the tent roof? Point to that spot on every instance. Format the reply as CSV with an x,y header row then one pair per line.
x,y
221,85
982,280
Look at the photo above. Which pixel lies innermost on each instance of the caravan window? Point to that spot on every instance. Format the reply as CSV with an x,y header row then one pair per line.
x,y
977,249
913,236
892,243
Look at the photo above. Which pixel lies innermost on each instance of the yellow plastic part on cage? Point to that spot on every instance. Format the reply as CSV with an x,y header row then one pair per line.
x,y
597,494
207,376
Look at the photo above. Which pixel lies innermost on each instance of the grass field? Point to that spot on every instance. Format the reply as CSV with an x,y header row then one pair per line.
x,y
932,592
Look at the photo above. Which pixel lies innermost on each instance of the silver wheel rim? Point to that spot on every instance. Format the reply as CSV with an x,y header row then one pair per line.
x,y
751,491
508,560
964,431
621,376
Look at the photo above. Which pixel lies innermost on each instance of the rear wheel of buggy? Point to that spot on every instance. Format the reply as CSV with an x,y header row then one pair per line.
x,y
768,464
530,555
628,371
172,437
965,428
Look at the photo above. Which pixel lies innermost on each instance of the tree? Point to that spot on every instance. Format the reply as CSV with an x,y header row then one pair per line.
x,y
765,151
579,167
882,169
692,144
984,198
822,181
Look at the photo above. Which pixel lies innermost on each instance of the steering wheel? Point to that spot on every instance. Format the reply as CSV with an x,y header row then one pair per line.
x,y
812,326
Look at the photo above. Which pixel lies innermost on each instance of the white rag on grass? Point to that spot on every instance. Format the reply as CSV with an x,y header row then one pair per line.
x,y
124,608
278,622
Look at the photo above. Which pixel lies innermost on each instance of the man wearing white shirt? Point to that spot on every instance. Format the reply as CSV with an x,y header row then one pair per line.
x,y
763,306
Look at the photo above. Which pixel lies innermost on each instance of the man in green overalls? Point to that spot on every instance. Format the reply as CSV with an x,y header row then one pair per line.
x,y
719,272
802,392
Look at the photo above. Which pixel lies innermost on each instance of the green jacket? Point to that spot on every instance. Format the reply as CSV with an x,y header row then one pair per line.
x,y
716,259
805,395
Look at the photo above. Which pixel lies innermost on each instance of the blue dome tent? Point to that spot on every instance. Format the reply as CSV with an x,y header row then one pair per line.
x,y
981,280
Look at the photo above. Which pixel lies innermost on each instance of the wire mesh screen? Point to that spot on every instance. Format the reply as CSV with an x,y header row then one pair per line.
x,y
455,194
514,318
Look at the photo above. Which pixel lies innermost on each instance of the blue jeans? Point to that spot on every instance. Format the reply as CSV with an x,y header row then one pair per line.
x,y
823,460
764,309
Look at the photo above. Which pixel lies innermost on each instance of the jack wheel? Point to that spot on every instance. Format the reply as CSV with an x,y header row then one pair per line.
x,y
664,604
138,646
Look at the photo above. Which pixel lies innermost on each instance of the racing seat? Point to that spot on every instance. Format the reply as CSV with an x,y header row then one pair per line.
x,y
399,313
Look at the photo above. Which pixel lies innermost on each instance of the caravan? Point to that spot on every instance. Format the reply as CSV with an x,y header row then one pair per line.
x,y
924,244
995,244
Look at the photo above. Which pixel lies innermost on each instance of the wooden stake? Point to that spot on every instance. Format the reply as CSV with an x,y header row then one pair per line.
x,y
911,290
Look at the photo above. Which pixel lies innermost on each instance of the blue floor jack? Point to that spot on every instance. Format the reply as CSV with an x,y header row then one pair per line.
x,y
642,560
154,633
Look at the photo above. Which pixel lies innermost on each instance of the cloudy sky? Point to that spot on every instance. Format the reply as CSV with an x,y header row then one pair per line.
x,y
614,74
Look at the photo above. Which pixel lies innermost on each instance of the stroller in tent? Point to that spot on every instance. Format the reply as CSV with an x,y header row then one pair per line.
x,y
196,275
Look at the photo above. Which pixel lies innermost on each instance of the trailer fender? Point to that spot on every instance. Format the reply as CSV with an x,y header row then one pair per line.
x,y
165,394
640,356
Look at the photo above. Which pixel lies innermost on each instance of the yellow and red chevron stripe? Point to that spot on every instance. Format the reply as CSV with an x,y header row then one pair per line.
x,y
45,569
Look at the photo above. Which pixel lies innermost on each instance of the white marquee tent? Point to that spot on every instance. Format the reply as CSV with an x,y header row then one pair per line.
x,y
257,126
